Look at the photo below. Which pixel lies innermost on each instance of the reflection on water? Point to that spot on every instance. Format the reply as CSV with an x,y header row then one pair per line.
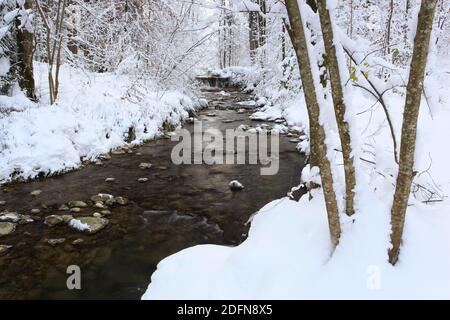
x,y
180,206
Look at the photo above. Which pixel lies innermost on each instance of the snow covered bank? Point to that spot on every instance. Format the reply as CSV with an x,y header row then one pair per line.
x,y
93,115
287,256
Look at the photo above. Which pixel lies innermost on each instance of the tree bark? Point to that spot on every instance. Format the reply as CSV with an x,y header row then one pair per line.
x,y
25,49
409,128
388,28
332,64
317,131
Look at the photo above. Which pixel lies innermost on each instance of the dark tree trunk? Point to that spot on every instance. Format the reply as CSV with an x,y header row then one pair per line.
x,y
25,50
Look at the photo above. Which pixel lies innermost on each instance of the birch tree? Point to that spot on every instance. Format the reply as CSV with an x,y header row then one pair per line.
x,y
409,128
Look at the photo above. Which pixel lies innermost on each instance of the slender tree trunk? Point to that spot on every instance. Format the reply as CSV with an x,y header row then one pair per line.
x,y
339,104
406,24
25,49
298,38
350,32
409,128
388,28
253,34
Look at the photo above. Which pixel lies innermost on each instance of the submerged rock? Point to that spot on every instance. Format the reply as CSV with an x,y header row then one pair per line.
x,y
235,185
25,219
89,225
67,217
77,241
7,228
76,209
102,197
55,242
63,207
142,180
35,211
110,179
121,200
145,165
110,202
53,220
99,205
78,204
2,203
97,215
105,212
4,248
35,193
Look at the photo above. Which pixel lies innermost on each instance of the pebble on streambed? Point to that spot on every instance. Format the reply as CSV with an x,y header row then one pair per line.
x,y
54,242
4,248
7,228
35,193
145,165
77,204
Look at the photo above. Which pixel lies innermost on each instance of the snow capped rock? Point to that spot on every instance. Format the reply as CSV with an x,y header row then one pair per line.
x,y
235,185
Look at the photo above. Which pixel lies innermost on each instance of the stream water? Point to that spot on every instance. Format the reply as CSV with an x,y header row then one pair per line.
x,y
178,207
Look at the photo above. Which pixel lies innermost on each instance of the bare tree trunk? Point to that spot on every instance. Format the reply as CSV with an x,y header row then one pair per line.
x,y
409,128
53,43
253,34
339,104
25,49
350,32
388,28
262,30
405,25
298,38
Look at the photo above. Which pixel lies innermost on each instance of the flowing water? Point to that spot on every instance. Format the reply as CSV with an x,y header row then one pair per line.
x,y
178,207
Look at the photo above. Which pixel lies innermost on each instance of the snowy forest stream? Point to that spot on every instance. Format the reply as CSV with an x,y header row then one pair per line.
x,y
178,207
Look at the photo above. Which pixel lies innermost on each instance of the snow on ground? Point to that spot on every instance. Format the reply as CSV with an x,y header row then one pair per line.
x,y
287,254
92,116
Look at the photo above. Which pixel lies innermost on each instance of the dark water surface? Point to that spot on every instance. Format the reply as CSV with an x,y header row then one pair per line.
x,y
180,206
